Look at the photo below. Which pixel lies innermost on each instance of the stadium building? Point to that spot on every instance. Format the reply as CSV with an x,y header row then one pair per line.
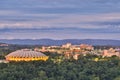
x,y
26,55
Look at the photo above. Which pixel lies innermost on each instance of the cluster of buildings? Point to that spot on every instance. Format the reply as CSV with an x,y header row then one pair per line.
x,y
111,52
68,50
74,51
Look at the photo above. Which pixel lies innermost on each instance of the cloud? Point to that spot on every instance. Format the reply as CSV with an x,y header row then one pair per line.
x,y
59,18
9,12
57,35
61,6
91,21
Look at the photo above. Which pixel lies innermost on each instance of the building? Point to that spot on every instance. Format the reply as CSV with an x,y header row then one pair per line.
x,y
86,46
111,52
75,56
4,45
26,55
75,47
4,61
68,45
68,54
117,49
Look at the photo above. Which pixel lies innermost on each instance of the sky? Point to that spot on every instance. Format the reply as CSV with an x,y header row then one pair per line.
x,y
60,19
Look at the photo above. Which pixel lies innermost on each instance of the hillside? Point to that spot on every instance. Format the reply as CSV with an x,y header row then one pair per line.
x,y
60,42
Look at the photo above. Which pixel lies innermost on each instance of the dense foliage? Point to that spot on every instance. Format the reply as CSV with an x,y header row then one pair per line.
x,y
53,69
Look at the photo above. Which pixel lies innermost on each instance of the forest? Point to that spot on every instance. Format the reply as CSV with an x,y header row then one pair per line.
x,y
59,68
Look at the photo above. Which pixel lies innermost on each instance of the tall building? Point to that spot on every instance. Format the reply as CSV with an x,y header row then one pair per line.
x,y
68,45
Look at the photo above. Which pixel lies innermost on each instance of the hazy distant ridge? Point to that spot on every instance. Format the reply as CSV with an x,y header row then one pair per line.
x,y
60,42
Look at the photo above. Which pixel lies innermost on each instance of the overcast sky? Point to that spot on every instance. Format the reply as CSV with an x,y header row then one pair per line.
x,y
60,19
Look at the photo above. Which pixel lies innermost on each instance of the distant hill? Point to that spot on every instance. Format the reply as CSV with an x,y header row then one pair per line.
x,y
60,42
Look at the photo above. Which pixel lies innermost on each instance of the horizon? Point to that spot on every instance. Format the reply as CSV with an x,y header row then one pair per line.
x,y
61,39
60,19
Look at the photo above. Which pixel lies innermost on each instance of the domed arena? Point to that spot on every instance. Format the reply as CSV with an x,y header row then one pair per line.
x,y
26,55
